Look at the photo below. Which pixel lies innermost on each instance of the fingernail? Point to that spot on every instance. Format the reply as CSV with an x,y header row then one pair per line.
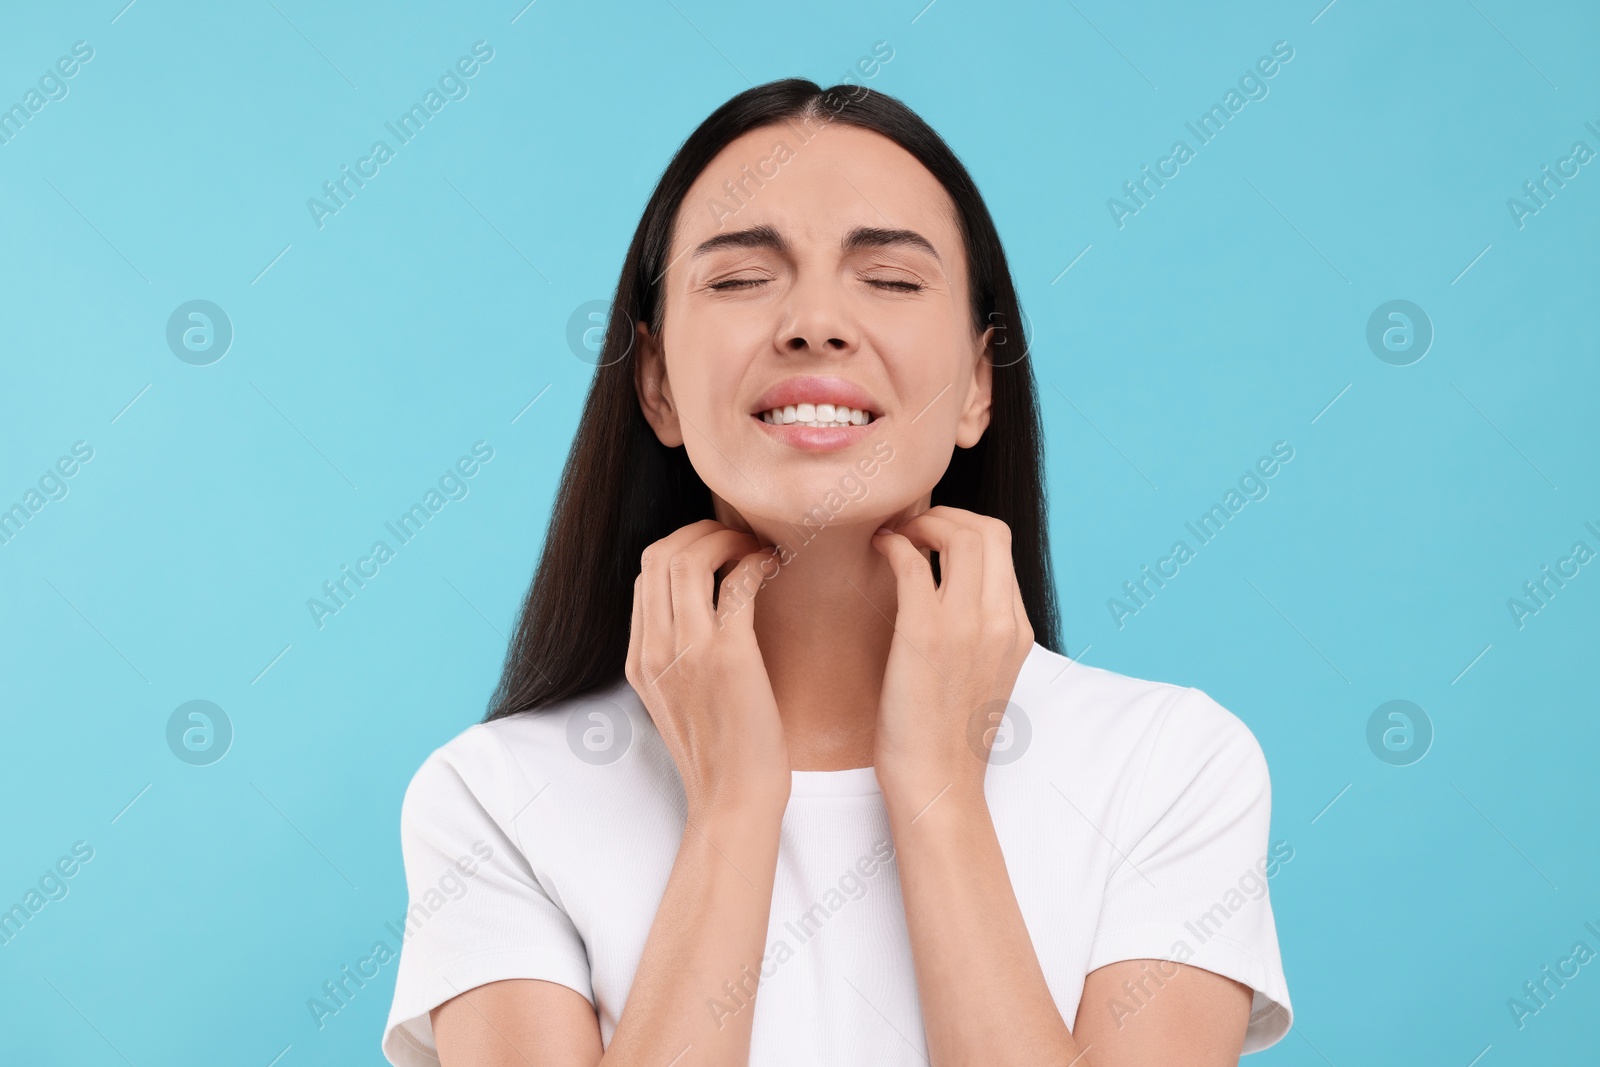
x,y
885,530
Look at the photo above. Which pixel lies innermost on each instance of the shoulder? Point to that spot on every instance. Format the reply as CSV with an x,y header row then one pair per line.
x,y
1099,699
494,765
1148,729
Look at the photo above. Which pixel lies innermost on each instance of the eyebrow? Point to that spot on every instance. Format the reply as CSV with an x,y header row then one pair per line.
x,y
862,237
867,237
755,237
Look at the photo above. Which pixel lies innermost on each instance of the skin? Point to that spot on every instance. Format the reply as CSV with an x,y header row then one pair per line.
x,y
904,665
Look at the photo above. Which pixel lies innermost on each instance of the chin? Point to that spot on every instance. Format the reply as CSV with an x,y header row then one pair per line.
x,y
796,516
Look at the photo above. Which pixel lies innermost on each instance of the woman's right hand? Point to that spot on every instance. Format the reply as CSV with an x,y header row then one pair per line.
x,y
699,671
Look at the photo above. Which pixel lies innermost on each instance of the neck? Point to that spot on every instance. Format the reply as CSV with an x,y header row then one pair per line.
x,y
824,623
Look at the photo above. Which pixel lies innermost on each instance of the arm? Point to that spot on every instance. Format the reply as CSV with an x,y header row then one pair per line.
x,y
1154,1011
700,675
710,928
984,998
954,660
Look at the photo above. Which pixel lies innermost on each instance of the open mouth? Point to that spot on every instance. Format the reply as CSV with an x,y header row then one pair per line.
x,y
816,415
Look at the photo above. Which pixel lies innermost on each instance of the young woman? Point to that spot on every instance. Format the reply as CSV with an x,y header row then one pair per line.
x,y
784,710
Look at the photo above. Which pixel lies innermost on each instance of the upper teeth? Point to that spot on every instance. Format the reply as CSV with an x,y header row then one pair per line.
x,y
817,415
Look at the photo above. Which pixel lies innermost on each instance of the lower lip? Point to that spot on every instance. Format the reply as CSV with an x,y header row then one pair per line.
x,y
817,438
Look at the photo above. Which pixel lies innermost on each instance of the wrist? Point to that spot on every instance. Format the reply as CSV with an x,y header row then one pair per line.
x,y
913,792
741,811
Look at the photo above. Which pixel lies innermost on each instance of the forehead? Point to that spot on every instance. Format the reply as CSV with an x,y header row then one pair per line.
x,y
817,183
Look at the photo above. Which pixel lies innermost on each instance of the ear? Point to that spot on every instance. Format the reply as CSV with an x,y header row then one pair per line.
x,y
975,413
654,390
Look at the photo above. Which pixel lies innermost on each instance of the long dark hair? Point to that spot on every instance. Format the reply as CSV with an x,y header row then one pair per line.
x,y
622,489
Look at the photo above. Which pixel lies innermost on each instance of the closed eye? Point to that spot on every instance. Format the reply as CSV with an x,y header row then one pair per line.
x,y
883,283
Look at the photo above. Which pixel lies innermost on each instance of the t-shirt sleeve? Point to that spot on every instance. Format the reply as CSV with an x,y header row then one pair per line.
x,y
1192,882
477,912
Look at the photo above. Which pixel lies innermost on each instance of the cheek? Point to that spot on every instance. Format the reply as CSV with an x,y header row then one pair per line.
x,y
930,360
922,452
706,364
927,344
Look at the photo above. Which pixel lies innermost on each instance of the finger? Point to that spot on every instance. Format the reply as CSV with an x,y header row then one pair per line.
x,y
999,572
693,574
1019,612
636,632
656,640
956,536
913,577
736,602
659,644
1024,626
685,535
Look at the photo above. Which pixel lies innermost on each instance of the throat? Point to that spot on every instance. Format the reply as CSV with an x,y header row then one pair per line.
x,y
825,662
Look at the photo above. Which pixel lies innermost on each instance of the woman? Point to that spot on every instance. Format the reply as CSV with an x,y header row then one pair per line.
x,y
775,715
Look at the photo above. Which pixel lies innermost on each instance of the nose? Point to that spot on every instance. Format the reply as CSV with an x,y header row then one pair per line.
x,y
817,319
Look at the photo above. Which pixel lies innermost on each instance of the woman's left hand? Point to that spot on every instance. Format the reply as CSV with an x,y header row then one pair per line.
x,y
955,655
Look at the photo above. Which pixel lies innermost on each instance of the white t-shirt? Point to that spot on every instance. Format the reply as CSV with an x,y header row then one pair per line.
x,y
1133,816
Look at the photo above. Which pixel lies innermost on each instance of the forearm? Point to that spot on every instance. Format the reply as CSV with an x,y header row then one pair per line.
x,y
983,995
691,995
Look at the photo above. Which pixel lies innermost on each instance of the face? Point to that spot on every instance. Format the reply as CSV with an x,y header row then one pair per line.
x,y
812,268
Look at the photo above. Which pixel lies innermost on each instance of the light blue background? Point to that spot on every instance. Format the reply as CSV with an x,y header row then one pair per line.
x,y
368,355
